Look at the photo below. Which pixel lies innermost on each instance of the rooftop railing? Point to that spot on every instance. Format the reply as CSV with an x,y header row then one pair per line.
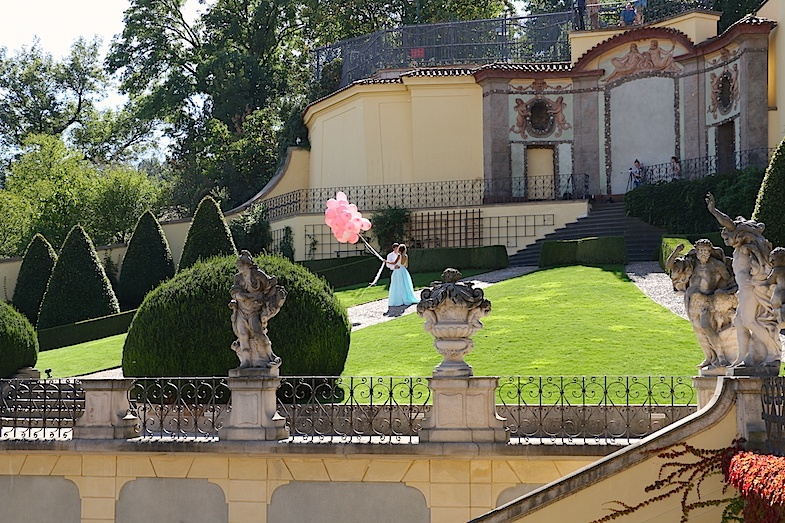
x,y
517,39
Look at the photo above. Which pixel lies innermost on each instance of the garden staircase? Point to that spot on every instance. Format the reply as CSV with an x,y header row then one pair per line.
x,y
604,219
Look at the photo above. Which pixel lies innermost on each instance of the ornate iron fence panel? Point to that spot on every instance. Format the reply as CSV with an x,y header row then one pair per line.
x,y
40,409
579,410
696,168
354,409
180,407
773,403
431,195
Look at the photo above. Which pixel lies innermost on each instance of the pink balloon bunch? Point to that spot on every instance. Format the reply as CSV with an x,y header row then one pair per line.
x,y
344,219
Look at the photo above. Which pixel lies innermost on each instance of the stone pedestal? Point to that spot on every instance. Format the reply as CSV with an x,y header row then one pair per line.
x,y
106,413
464,411
704,389
254,414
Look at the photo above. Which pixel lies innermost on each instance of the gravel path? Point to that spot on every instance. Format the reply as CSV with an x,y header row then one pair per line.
x,y
648,276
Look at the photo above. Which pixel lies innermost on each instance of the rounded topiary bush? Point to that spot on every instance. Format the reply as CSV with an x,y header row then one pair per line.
x,y
18,342
183,327
78,288
771,199
148,262
208,235
34,274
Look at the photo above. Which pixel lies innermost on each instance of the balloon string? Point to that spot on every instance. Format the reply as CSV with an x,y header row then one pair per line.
x,y
379,272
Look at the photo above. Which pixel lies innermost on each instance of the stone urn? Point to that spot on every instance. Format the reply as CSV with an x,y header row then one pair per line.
x,y
452,312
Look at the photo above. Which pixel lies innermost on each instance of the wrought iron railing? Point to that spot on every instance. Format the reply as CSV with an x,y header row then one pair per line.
x,y
773,403
39,409
353,409
180,407
430,195
696,168
578,410
518,39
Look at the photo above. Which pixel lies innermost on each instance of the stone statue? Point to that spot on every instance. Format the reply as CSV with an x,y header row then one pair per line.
x,y
256,297
756,322
776,279
452,312
705,276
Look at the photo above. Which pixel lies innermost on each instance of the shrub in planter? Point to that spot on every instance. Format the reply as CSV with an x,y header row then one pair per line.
x,y
33,276
148,262
18,343
183,327
208,235
78,288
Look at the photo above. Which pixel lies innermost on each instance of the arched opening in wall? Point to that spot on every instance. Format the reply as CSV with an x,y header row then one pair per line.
x,y
540,173
726,147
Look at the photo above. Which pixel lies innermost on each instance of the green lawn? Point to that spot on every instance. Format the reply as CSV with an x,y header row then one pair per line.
x,y
565,321
568,321
358,294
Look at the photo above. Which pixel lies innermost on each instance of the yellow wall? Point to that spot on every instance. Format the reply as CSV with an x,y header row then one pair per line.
x,y
775,10
424,129
455,488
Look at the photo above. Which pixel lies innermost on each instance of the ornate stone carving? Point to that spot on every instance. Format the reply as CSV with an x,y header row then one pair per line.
x,y
635,61
725,92
706,277
256,297
756,320
540,117
452,312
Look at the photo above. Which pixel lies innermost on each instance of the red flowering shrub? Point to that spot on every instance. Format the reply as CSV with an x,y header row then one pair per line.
x,y
760,479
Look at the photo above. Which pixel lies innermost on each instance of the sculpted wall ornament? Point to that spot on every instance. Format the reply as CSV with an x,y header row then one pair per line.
x,y
759,289
540,117
452,311
725,92
634,61
256,297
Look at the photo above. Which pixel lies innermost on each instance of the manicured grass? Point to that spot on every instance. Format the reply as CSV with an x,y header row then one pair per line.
x,y
85,358
569,321
358,294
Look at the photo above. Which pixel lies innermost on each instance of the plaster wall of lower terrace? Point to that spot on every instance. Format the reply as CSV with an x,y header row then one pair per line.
x,y
128,480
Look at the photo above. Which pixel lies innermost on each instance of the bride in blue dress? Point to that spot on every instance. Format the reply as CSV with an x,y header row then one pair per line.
x,y
401,287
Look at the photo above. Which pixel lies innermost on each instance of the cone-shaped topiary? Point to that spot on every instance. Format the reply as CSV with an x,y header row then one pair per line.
x,y
18,342
208,235
771,199
183,327
148,262
78,288
33,276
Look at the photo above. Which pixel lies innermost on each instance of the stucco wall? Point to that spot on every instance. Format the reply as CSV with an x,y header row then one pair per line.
x,y
249,486
775,10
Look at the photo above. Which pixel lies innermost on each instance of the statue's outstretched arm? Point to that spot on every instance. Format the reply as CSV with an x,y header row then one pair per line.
x,y
673,256
721,217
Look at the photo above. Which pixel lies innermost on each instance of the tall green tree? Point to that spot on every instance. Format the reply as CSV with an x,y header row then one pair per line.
x,y
208,235
41,95
33,277
771,198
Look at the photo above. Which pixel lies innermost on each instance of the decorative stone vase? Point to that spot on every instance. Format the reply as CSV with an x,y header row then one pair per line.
x,y
452,312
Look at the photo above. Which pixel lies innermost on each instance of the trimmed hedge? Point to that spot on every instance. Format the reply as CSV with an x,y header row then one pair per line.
x,y
148,262
344,272
33,277
78,288
208,235
770,203
84,331
183,327
604,250
680,208
18,344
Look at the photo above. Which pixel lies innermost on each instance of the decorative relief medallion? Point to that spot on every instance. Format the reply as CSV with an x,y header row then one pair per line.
x,y
724,91
540,117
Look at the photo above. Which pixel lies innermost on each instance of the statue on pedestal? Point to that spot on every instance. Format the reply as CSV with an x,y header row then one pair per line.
x,y
452,312
256,297
756,321
705,276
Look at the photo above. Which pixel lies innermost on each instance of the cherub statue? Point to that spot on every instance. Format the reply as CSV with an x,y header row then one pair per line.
x,y
256,297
